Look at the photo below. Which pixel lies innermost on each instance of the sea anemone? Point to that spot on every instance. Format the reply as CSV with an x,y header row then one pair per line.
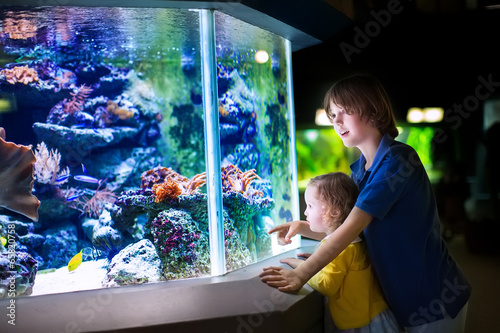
x,y
168,190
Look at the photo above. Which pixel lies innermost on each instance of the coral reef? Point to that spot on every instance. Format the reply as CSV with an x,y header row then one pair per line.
x,y
180,244
245,240
168,184
121,113
17,274
167,190
16,179
20,74
47,166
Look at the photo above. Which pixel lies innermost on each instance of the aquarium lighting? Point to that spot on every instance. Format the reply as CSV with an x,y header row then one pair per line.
x,y
261,56
425,115
321,118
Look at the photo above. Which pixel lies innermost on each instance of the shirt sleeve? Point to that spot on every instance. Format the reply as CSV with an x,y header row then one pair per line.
x,y
329,280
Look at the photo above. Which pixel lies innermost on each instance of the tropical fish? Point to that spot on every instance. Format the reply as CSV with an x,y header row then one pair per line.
x,y
73,197
91,253
4,241
75,261
62,178
87,179
84,169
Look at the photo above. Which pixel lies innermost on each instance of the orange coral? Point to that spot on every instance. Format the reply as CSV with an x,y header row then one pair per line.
x,y
122,113
159,175
234,180
21,74
168,190
194,183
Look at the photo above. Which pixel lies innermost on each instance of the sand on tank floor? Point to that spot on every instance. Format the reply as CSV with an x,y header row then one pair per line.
x,y
88,275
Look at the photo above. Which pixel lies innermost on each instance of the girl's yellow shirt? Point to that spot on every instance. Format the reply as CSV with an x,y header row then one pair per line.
x,y
353,291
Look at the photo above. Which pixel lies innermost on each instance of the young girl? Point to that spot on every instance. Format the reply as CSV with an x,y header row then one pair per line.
x,y
355,300
396,209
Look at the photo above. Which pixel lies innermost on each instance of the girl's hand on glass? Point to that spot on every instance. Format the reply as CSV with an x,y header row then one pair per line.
x,y
292,262
304,255
286,231
282,278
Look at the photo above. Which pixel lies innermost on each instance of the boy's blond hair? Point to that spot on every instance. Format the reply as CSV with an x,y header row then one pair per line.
x,y
338,193
363,95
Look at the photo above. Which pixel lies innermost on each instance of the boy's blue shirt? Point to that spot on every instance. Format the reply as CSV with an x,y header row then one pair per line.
x,y
418,276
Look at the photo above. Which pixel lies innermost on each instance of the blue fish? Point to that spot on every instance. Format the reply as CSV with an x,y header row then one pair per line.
x,y
62,178
84,169
87,179
73,197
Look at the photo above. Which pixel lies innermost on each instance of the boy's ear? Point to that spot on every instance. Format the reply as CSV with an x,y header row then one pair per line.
x,y
335,213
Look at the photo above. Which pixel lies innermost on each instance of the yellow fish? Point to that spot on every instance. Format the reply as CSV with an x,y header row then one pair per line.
x,y
75,261
4,241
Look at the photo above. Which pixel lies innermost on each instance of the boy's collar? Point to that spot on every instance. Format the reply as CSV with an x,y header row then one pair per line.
x,y
383,147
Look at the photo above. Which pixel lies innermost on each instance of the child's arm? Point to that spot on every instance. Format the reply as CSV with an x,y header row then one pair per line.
x,y
287,230
291,280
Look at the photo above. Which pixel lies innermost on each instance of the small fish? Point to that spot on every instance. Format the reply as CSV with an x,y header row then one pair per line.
x,y
62,178
4,241
87,179
91,253
75,261
84,169
73,197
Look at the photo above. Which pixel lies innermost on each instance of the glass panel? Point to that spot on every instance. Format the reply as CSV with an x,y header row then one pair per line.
x,y
111,101
256,150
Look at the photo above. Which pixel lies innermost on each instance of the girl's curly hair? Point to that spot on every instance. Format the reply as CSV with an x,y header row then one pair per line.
x,y
338,193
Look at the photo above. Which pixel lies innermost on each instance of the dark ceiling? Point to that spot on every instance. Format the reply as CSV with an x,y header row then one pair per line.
x,y
425,58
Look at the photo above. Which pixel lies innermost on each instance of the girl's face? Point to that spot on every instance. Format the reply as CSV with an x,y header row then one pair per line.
x,y
314,210
353,130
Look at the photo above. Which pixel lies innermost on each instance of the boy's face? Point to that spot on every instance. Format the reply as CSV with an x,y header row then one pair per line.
x,y
314,210
353,130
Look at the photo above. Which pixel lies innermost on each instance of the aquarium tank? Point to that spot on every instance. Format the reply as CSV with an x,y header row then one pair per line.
x,y
139,145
